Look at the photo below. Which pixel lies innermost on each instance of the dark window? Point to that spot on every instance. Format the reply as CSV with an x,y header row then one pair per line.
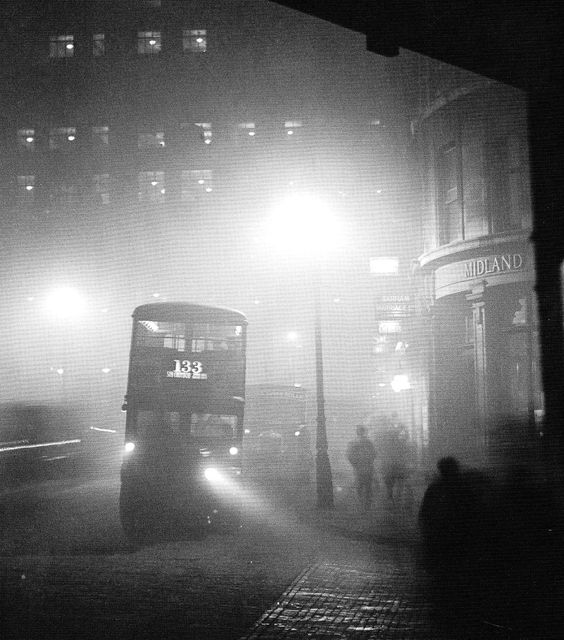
x,y
98,45
101,187
100,138
507,184
448,182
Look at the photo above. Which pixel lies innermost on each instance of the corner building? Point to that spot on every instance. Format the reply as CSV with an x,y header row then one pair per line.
x,y
476,273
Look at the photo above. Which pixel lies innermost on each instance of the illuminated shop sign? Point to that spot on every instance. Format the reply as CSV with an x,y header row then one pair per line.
x,y
493,269
389,306
187,369
493,264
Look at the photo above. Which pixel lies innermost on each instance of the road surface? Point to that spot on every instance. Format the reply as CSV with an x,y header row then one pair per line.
x,y
66,570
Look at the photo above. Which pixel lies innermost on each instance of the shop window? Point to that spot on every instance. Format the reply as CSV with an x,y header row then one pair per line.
x,y
151,186
449,206
148,42
62,137
26,139
98,45
194,40
61,46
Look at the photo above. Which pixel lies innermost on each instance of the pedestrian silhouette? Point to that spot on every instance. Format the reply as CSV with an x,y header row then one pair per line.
x,y
361,454
395,459
455,526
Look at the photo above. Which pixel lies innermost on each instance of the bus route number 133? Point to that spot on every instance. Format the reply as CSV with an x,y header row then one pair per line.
x,y
187,369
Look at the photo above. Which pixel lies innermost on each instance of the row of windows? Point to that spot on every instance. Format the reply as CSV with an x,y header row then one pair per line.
x,y
66,137
482,189
148,43
151,187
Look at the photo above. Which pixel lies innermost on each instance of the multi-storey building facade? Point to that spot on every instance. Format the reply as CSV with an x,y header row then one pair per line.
x,y
143,143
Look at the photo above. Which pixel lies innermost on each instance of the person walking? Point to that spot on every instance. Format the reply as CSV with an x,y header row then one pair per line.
x,y
361,454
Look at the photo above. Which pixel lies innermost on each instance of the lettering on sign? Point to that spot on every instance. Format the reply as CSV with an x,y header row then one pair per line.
x,y
187,369
493,264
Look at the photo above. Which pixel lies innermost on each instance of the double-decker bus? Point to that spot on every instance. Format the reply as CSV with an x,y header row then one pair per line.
x,y
184,426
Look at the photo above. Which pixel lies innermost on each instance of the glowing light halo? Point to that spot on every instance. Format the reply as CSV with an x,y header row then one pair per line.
x,y
302,224
64,303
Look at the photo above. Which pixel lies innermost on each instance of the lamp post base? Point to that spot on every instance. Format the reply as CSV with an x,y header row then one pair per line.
x,y
324,482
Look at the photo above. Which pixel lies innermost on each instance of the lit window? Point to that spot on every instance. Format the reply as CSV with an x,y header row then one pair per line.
x,y
291,127
196,182
100,137
152,140
384,266
26,189
247,129
98,45
151,186
387,327
101,188
196,133
26,139
61,46
62,137
148,42
206,133
194,40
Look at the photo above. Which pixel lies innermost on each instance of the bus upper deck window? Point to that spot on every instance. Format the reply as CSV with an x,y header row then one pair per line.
x,y
217,337
161,335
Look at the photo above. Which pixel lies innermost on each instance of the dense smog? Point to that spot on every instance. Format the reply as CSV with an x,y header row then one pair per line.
x,y
281,325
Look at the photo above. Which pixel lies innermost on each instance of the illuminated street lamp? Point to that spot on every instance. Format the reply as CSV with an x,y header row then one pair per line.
x,y
64,303
304,226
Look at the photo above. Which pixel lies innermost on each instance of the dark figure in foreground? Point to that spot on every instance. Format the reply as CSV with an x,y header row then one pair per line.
x,y
361,455
455,526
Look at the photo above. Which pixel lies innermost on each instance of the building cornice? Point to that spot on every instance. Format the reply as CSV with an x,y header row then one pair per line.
x,y
461,250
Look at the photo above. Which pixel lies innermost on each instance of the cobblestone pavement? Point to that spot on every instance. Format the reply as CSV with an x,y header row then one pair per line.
x,y
341,601
378,592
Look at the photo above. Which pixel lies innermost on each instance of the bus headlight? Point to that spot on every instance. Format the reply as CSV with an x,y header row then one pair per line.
x,y
129,446
234,451
212,475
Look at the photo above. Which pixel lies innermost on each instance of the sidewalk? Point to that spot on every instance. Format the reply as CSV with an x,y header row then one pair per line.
x,y
385,595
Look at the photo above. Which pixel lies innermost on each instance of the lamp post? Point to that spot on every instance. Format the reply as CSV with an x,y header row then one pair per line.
x,y
324,478
304,226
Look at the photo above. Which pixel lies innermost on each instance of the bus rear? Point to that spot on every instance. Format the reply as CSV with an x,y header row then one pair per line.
x,y
185,407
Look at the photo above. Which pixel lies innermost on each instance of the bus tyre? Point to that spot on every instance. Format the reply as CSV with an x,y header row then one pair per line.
x,y
133,514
